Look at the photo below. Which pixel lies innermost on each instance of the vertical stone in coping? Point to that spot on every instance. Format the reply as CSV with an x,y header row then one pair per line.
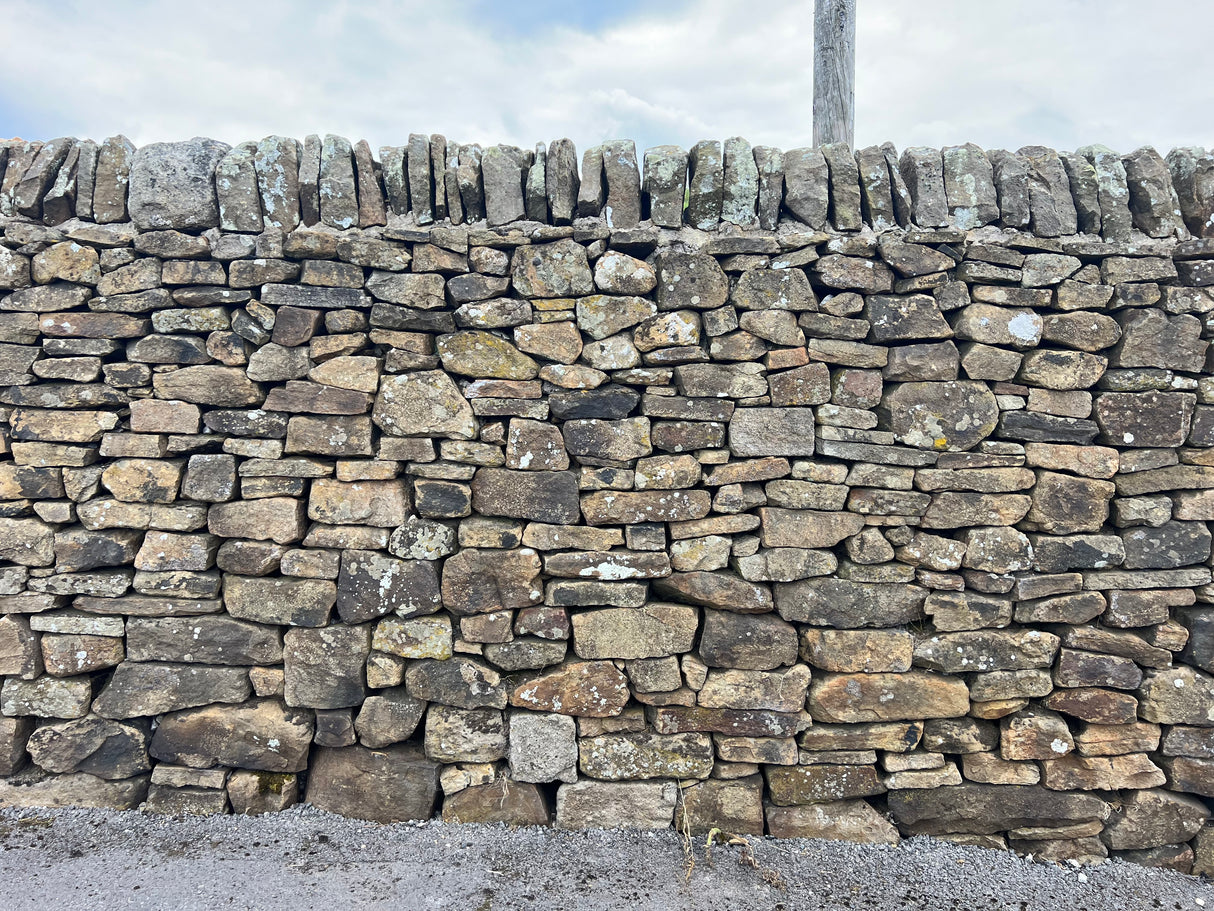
x,y
844,186
1112,191
1012,188
665,185
277,164
5,145
113,178
471,183
421,191
623,208
20,156
396,187
903,203
807,186
1051,209
86,178
1193,179
876,191
1084,191
535,192
172,185
561,181
740,192
503,181
309,181
59,204
923,171
591,193
371,209
770,164
1153,203
438,164
338,195
40,176
455,203
705,185
969,186
236,188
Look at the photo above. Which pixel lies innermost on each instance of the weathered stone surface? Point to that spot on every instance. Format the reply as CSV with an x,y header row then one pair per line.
x,y
717,590
326,668
985,809
106,749
949,416
592,689
653,631
74,790
394,784
843,820
851,698
261,734
609,805
844,604
812,784
172,185
144,690
557,269
202,640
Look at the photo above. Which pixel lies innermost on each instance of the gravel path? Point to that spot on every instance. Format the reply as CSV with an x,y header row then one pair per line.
x,y
305,858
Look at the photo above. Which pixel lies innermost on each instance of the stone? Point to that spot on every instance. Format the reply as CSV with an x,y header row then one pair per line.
x,y
982,808
748,641
1150,338
719,590
106,749
557,269
326,668
1180,695
844,604
253,793
477,353
371,585
815,784
850,651
147,689
393,784
1064,505
951,416
777,691
425,403
772,432
172,185
1154,206
851,698
606,805
202,640
75,790
969,186
843,820
261,734
543,747
628,756
653,631
594,689
278,519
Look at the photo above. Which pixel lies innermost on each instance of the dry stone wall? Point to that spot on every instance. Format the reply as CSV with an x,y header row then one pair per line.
x,y
809,492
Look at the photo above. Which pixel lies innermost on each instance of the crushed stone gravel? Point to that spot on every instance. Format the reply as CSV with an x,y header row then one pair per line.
x,y
306,858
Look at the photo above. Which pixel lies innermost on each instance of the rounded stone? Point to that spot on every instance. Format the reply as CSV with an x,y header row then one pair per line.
x,y
951,416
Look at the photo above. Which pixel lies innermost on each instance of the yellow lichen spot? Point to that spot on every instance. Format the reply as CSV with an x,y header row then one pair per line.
x,y
941,442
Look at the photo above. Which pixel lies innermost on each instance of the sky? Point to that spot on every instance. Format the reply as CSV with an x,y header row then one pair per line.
x,y
1002,73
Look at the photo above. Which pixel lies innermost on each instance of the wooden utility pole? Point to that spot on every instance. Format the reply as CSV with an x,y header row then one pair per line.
x,y
834,71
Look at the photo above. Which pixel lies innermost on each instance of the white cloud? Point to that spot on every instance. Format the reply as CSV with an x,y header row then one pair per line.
x,y
930,72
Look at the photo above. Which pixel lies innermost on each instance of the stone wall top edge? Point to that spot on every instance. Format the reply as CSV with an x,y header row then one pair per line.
x,y
714,189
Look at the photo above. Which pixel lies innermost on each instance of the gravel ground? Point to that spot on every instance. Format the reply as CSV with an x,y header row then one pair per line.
x,y
305,858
